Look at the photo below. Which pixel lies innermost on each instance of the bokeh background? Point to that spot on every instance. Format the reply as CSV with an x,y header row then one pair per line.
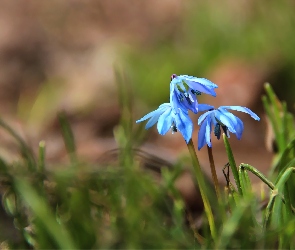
x,y
61,55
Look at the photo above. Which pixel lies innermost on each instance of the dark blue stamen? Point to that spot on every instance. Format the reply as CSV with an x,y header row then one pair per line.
x,y
173,128
187,97
181,97
188,100
225,130
217,131
196,92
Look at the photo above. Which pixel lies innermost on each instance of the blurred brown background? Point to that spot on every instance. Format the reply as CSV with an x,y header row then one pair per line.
x,y
60,56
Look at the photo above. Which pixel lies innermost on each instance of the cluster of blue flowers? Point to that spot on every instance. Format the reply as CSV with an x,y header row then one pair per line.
x,y
183,97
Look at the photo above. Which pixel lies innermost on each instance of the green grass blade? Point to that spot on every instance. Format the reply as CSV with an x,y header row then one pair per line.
x,y
41,210
275,212
284,178
232,224
232,163
244,181
269,114
41,159
258,174
68,136
284,157
269,208
287,165
276,116
25,149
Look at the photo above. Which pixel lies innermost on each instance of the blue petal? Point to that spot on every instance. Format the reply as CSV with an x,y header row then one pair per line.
x,y
242,109
177,104
239,128
198,86
183,104
208,131
165,122
151,122
155,118
238,124
175,83
184,124
203,116
204,107
149,115
201,134
165,105
226,118
203,81
192,104
201,84
156,112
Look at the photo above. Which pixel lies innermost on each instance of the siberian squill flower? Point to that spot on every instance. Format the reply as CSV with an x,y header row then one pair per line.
x,y
220,118
169,118
184,90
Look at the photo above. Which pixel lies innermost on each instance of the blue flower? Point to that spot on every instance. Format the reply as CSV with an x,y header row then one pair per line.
x,y
184,88
169,118
220,118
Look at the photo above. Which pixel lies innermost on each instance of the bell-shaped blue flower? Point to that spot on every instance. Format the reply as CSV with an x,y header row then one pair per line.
x,y
220,118
169,118
184,90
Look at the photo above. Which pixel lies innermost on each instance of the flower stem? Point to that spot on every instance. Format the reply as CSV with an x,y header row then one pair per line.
x,y
232,163
213,173
202,187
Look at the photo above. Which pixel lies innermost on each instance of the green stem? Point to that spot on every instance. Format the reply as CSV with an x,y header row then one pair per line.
x,y
202,187
232,163
41,160
213,173
258,174
269,208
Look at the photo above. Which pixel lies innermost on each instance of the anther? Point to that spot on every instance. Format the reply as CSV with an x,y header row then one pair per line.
x,y
217,131
188,100
225,130
173,76
173,128
196,92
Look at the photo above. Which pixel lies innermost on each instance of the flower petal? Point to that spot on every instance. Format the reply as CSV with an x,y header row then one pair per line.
x,y
165,121
242,109
238,124
177,104
152,121
204,107
156,112
201,134
203,81
239,128
198,86
154,115
208,131
201,84
193,102
184,125
203,116
226,118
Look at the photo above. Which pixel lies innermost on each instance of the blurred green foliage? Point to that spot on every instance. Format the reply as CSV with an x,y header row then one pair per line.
x,y
256,31
122,205
82,206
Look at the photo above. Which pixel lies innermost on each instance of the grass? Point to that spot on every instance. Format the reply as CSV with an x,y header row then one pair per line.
x,y
120,205
123,206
